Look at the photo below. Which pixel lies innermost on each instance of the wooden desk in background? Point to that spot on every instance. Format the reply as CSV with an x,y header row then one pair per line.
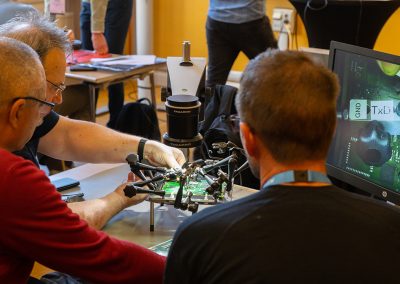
x,y
102,79
131,224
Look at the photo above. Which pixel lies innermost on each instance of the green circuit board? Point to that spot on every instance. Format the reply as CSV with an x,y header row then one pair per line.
x,y
196,187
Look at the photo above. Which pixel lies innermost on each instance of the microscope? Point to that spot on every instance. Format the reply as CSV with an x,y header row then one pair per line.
x,y
200,182
184,99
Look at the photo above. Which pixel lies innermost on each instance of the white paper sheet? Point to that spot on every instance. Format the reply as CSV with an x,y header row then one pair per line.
x,y
126,60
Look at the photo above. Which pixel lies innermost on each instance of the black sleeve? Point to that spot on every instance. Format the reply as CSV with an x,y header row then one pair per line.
x,y
186,258
49,121
174,271
29,151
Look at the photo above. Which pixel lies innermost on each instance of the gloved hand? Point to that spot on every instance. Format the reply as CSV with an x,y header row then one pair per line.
x,y
159,154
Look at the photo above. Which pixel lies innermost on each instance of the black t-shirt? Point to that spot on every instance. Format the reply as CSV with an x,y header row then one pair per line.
x,y
287,234
29,151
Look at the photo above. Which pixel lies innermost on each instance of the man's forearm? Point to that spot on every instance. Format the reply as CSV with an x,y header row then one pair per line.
x,y
83,141
101,144
97,212
87,142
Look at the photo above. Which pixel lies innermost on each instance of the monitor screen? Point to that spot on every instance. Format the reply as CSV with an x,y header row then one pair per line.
x,y
365,151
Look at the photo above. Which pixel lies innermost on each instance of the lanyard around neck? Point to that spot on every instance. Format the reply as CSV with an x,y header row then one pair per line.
x,y
296,176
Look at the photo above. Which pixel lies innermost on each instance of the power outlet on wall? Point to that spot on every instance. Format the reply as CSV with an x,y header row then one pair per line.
x,y
280,16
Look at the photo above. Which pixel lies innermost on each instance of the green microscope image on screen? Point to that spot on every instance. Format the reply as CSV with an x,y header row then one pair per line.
x,y
367,141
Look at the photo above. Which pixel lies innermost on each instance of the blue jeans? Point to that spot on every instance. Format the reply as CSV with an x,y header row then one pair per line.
x,y
226,40
117,20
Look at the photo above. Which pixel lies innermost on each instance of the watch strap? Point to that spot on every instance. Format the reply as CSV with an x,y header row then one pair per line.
x,y
140,150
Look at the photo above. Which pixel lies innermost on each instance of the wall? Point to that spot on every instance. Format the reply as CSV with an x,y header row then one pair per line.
x,y
176,21
179,20
69,20
388,39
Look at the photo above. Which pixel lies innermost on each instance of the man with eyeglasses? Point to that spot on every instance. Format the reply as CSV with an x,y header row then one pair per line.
x,y
78,140
104,27
58,89
44,107
36,224
75,140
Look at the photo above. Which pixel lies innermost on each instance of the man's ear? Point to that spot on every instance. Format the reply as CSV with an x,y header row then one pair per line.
x,y
16,113
249,140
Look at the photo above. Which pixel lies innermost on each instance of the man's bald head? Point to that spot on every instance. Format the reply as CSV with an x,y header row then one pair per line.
x,y
22,82
21,71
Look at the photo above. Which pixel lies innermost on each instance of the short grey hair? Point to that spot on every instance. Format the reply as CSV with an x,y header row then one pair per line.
x,y
289,101
36,31
21,71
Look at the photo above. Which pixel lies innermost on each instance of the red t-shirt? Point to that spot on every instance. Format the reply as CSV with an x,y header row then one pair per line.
x,y
36,225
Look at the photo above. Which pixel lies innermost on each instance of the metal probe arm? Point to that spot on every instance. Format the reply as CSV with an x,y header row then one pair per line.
x,y
131,190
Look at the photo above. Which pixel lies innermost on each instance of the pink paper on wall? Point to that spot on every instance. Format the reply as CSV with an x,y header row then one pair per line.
x,y
57,6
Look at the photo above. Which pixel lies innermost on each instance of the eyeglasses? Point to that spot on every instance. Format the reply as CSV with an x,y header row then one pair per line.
x,y
234,120
44,107
59,88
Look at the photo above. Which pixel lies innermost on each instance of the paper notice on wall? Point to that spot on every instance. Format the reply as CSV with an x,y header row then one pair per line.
x,y
57,6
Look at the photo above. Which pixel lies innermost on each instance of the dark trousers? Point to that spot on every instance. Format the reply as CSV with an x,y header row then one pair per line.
x,y
226,40
117,20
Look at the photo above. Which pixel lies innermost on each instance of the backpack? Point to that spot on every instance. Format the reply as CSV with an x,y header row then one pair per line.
x,y
218,126
139,119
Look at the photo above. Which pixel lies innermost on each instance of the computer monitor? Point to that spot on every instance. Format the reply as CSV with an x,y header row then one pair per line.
x,y
365,151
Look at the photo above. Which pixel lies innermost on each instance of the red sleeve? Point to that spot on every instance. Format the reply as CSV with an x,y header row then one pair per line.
x,y
38,225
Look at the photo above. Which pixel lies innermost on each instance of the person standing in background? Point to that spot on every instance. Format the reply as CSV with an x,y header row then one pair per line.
x,y
234,26
104,25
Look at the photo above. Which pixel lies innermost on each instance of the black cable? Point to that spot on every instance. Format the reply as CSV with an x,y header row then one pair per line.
x,y
359,23
308,6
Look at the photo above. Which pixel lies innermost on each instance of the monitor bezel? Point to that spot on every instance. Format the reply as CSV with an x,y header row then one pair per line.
x,y
348,178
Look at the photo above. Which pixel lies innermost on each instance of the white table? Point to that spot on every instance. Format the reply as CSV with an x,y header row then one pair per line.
x,y
131,224
102,79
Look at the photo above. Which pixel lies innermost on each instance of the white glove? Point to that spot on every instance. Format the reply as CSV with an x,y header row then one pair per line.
x,y
162,155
